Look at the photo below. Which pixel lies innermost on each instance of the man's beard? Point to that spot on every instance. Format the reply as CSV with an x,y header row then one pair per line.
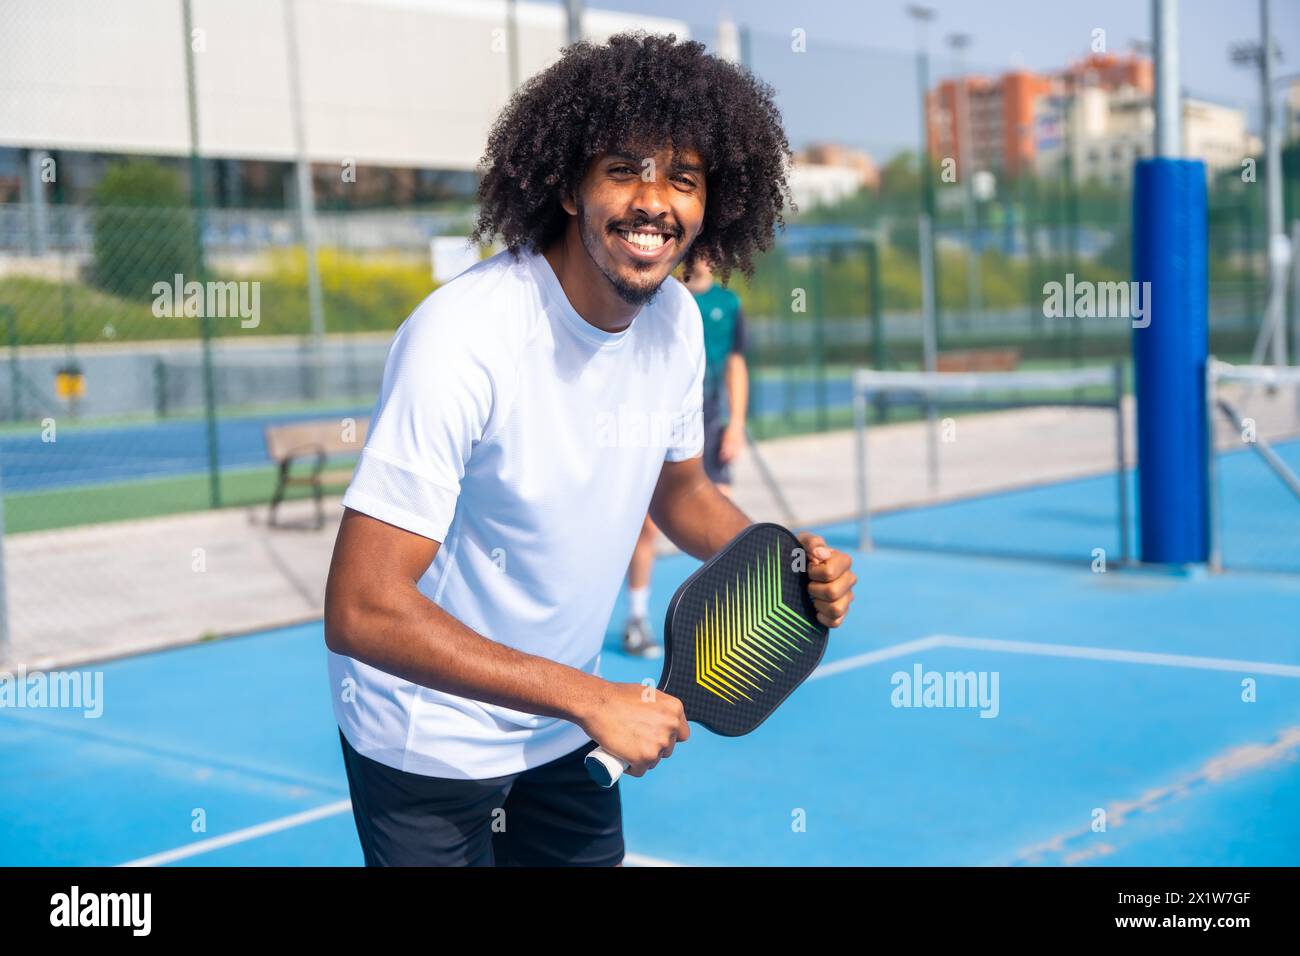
x,y
637,295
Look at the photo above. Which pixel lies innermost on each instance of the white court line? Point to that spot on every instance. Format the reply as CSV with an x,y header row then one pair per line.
x,y
872,657
825,670
298,819
636,859
243,836
1117,654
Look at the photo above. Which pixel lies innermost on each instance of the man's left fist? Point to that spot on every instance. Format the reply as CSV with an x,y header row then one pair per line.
x,y
831,579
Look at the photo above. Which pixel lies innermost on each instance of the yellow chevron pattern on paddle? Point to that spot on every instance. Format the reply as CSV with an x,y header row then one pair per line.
x,y
749,634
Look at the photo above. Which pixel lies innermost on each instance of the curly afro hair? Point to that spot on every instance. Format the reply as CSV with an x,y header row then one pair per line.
x,y
638,90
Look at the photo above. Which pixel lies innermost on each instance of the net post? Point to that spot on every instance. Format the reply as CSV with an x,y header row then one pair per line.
x,y
1215,555
1171,260
860,439
1117,372
1170,264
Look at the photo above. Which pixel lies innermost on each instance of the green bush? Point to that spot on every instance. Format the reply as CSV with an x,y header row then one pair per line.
x,y
361,293
143,230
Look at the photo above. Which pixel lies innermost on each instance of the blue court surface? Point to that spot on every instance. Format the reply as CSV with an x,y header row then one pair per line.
x,y
1067,521
1134,717
91,455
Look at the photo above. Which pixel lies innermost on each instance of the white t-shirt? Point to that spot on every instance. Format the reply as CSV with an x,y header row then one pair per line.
x,y
528,442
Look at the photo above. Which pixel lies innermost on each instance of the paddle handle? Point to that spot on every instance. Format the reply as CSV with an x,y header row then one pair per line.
x,y
604,767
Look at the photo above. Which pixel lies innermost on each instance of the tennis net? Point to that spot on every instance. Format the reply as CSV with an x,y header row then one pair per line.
x,y
1254,468
1017,464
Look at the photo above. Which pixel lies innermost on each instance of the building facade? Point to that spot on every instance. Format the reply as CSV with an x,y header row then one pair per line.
x,y
1103,133
397,95
824,174
1097,113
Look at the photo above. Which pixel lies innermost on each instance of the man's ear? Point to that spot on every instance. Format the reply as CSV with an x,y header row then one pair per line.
x,y
567,203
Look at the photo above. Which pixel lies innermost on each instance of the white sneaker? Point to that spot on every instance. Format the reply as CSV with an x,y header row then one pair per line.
x,y
639,640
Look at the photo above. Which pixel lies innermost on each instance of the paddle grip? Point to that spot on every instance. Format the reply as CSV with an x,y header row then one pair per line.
x,y
604,767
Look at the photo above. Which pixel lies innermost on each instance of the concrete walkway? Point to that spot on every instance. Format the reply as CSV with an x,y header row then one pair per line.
x,y
90,593
108,590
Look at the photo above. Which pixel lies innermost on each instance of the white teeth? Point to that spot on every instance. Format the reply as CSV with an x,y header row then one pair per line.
x,y
644,240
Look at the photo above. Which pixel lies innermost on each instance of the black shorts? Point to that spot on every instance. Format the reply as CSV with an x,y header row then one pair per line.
x,y
552,815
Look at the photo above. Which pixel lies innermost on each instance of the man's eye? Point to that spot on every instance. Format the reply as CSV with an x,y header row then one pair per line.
x,y
622,168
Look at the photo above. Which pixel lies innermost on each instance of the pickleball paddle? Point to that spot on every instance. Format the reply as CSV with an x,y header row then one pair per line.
x,y
740,635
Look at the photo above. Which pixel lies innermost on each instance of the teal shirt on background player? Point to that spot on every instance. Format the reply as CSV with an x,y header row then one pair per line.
x,y
724,334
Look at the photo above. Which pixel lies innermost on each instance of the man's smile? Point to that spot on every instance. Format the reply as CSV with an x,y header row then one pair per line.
x,y
646,243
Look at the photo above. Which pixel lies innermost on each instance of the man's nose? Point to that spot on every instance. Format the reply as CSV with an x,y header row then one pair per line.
x,y
649,200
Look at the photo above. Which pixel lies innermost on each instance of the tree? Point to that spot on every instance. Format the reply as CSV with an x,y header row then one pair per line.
x,y
143,229
900,178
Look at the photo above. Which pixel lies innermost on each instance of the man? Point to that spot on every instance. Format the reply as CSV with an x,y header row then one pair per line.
x,y
725,341
531,410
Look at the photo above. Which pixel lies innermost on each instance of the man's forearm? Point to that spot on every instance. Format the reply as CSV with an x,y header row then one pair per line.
x,y
405,634
696,516
737,382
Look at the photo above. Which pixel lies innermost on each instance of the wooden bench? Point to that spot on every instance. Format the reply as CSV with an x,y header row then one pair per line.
x,y
978,360
287,443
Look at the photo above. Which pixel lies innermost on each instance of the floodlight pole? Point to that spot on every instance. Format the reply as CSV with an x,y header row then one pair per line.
x,y
929,348
205,321
573,21
306,200
923,15
1278,246
512,44
966,165
1169,113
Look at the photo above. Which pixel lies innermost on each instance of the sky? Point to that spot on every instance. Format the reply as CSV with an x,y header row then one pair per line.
x,y
857,81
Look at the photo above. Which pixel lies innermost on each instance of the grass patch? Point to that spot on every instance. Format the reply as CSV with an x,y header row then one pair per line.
x,y
147,498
